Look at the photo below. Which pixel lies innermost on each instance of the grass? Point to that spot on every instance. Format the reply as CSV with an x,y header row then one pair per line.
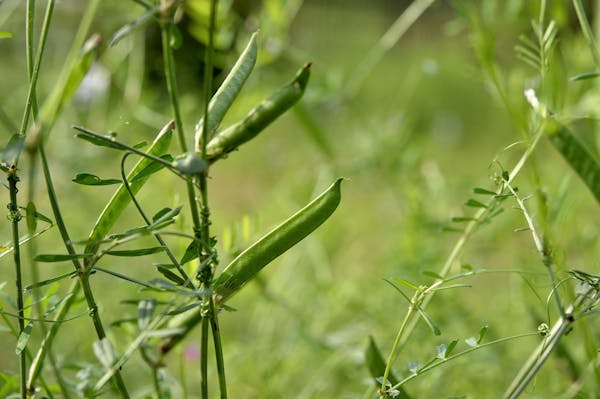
x,y
413,145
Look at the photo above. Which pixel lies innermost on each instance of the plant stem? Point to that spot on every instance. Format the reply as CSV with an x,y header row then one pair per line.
x,y
214,324
36,67
15,217
397,343
82,272
587,31
204,358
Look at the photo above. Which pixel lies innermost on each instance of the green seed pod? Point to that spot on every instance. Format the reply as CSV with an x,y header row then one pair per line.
x,y
227,92
259,117
243,268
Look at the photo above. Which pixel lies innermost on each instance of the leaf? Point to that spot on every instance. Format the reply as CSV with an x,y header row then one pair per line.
x,y
584,76
434,328
433,274
6,35
251,261
191,252
145,311
30,217
10,153
131,26
460,219
170,275
451,346
483,191
482,333
577,155
165,214
87,179
50,280
228,91
406,283
185,308
475,204
136,252
176,37
104,351
49,258
165,333
23,338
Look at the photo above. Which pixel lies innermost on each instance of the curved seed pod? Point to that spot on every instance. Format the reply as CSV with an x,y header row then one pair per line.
x,y
228,91
577,155
259,117
243,268
121,198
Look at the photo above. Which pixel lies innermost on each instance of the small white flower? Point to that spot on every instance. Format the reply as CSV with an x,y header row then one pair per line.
x,y
532,99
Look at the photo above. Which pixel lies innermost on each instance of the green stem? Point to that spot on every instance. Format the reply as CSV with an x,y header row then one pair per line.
x,y
29,44
204,358
83,275
214,324
36,67
587,31
15,217
170,255
397,343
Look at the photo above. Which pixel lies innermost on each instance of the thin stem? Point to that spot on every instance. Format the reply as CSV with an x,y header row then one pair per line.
x,y
204,358
172,258
36,67
397,344
214,325
83,275
587,31
15,217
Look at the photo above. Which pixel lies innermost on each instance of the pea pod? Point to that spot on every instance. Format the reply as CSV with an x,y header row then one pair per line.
x,y
243,268
258,118
577,155
228,91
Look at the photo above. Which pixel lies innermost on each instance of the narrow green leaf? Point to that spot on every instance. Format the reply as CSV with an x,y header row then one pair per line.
x,y
165,333
258,118
170,275
434,328
243,268
406,283
136,252
145,310
450,347
228,91
23,338
30,217
50,280
185,308
191,252
6,35
584,76
13,149
482,333
483,191
475,204
433,274
49,258
131,26
165,214
461,219
100,140
176,37
87,179
577,155
120,199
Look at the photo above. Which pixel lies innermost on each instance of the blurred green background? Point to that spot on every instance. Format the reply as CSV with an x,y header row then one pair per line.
x,y
412,139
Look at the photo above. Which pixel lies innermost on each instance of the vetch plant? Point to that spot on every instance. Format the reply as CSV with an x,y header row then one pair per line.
x,y
180,298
